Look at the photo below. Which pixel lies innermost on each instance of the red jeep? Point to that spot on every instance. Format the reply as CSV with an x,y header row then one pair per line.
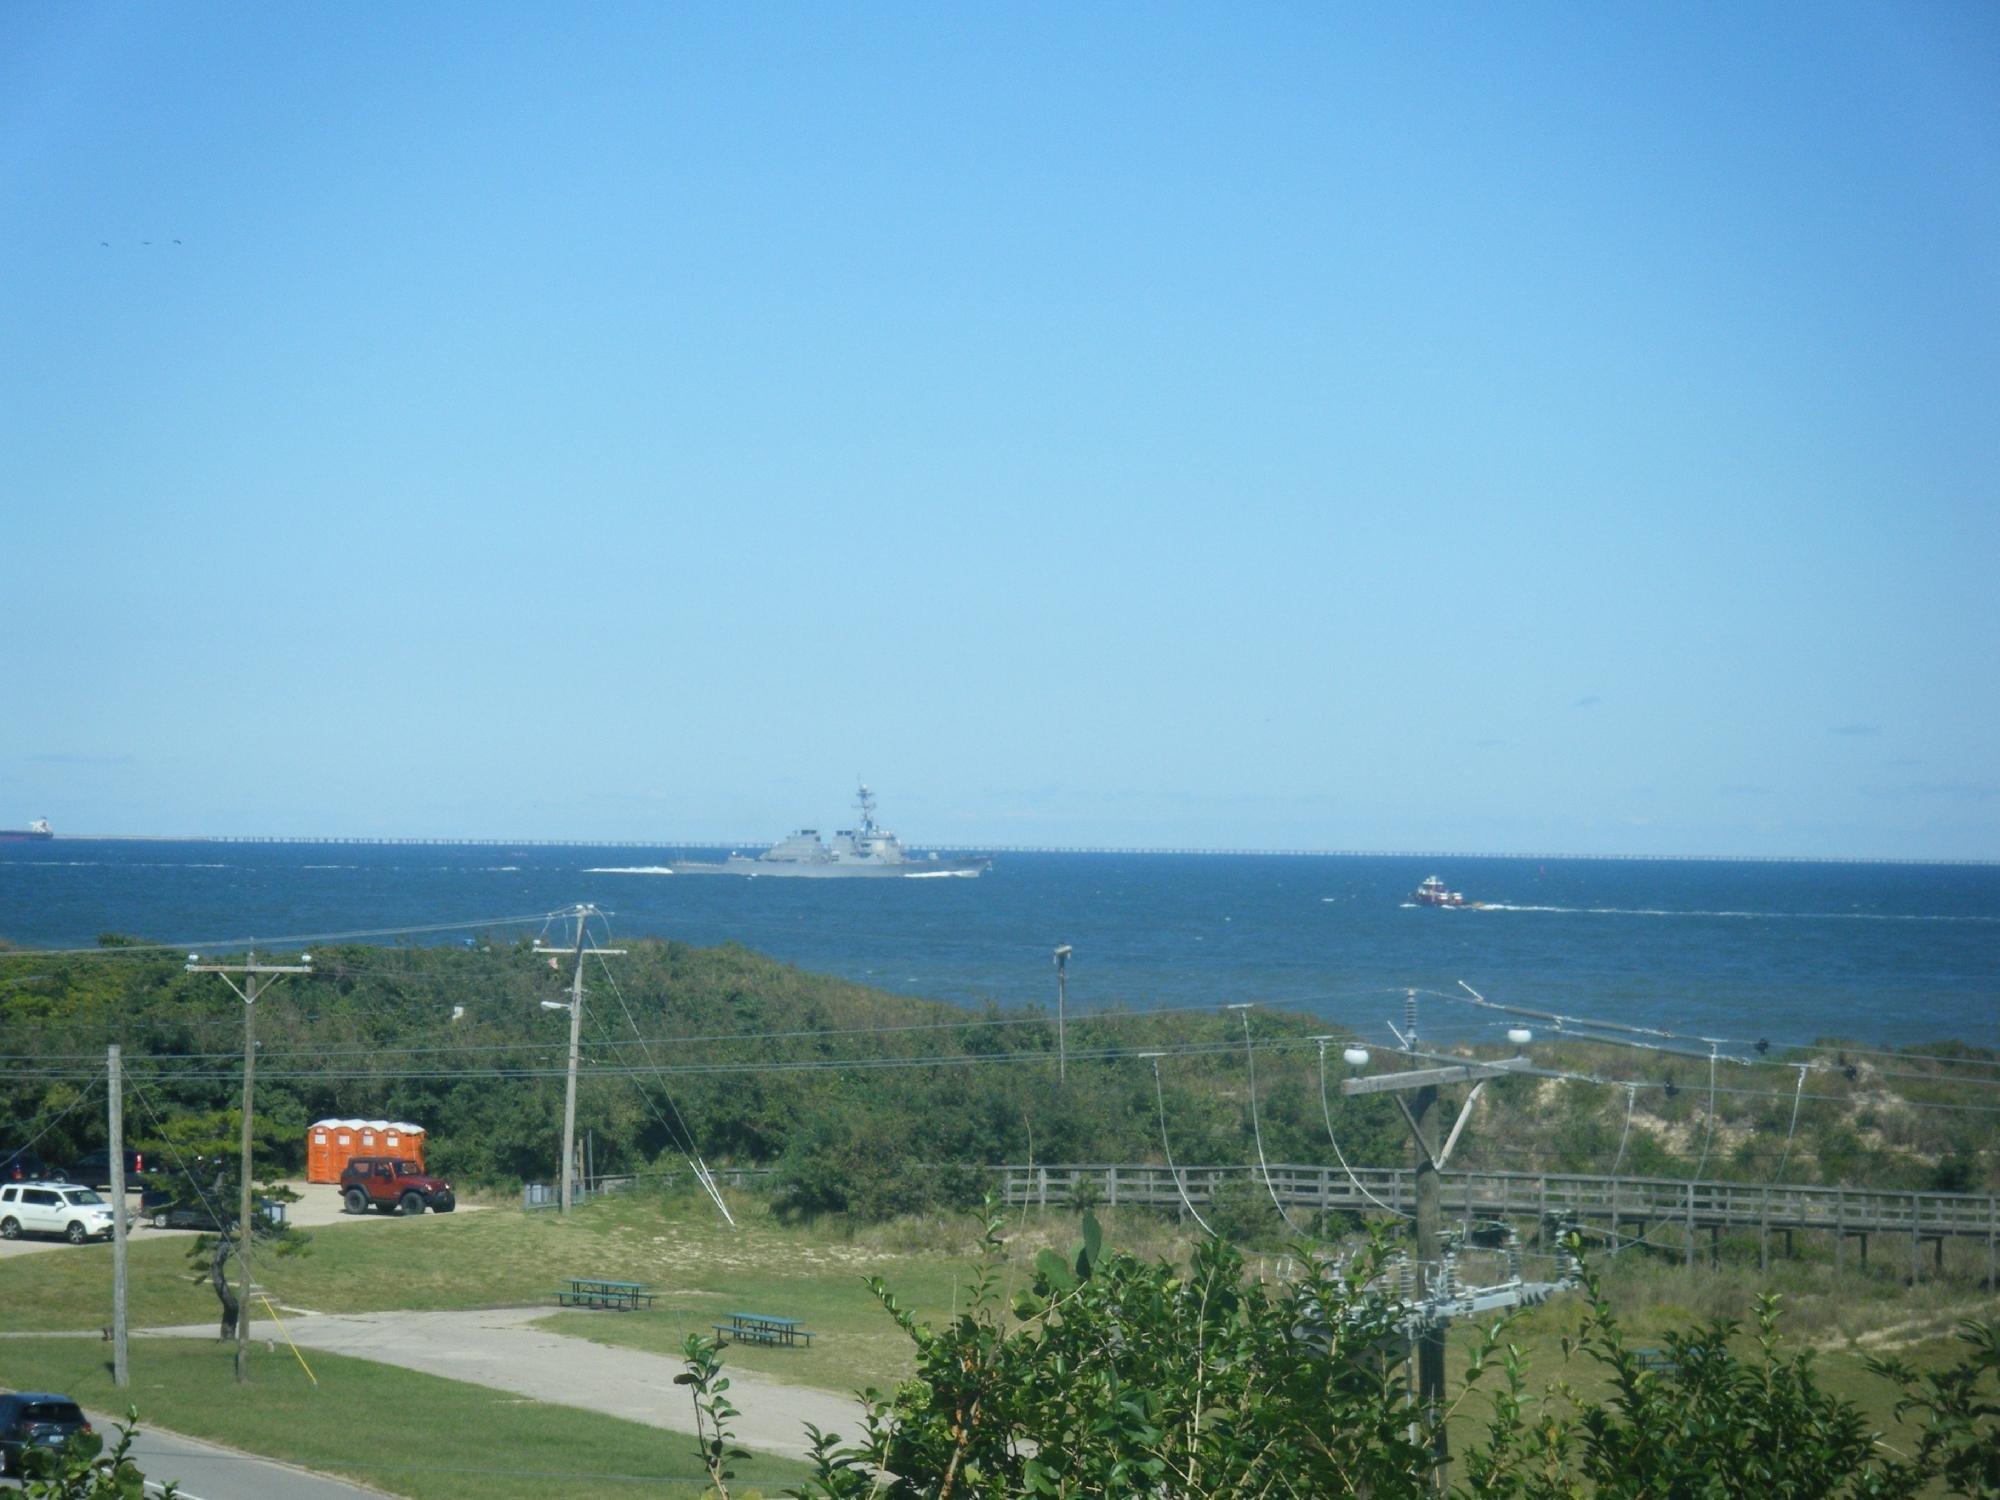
x,y
390,1183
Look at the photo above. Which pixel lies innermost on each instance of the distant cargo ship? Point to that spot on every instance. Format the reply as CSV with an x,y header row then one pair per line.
x,y
869,850
37,830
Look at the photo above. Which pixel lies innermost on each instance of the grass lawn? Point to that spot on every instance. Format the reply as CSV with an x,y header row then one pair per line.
x,y
700,1267
427,1438
854,1345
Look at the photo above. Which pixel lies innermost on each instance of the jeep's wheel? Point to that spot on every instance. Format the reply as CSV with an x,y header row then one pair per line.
x,y
413,1203
357,1201
76,1234
160,1219
10,1229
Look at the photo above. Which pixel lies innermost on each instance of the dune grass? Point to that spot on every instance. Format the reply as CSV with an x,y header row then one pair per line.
x,y
408,1434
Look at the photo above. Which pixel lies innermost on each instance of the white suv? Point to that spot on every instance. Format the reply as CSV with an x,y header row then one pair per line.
x,y
75,1213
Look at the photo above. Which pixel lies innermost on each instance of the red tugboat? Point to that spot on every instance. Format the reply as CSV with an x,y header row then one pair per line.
x,y
1433,893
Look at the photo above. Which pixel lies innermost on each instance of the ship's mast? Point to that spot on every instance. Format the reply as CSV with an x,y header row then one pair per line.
x,y
865,800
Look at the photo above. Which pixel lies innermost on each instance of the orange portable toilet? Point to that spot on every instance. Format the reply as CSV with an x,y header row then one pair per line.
x,y
330,1144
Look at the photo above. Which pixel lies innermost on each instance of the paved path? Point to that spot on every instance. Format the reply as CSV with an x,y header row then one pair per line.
x,y
208,1472
500,1348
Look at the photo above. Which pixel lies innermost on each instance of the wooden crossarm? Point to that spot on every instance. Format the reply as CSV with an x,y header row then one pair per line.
x,y
1386,1083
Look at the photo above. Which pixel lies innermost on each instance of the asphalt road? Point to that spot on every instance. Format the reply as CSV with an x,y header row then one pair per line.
x,y
500,1348
206,1472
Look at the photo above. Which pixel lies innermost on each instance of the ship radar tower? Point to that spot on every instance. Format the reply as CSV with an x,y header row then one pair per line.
x,y
865,800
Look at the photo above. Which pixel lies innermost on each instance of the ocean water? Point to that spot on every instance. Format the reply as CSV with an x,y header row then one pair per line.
x,y
1895,954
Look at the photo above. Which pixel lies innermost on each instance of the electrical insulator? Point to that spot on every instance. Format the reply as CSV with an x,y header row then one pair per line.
x,y
1355,1057
1520,1036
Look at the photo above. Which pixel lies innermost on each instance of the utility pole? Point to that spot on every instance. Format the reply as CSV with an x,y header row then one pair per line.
x,y
1430,1255
1062,996
121,1373
1431,1285
254,984
583,915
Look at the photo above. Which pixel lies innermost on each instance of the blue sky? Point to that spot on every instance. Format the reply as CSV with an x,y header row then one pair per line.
x,y
1503,428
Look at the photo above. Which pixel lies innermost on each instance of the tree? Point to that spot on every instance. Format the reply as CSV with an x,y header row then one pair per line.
x,y
205,1178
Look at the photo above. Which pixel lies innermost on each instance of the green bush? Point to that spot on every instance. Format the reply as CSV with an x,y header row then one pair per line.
x,y
1111,1377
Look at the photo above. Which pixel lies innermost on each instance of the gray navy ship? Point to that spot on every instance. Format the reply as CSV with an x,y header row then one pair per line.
x,y
869,850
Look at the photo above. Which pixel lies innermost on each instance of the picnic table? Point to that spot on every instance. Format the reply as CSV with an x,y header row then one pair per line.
x,y
763,1328
596,1291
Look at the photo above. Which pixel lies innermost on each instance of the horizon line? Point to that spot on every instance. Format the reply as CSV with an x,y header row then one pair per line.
x,y
1959,861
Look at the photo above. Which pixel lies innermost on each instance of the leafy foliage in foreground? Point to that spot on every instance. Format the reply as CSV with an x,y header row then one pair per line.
x,y
82,1470
1107,1376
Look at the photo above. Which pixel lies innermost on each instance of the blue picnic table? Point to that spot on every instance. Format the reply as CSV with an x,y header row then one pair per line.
x,y
598,1291
763,1328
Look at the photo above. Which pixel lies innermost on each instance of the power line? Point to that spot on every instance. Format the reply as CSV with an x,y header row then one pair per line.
x,y
217,944
1160,1095
61,1115
969,1024
935,1060
690,1154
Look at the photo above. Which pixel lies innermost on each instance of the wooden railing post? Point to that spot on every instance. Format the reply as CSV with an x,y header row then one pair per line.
x,y
1992,1235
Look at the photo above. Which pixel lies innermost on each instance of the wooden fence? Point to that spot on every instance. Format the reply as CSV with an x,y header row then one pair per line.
x,y
1629,1206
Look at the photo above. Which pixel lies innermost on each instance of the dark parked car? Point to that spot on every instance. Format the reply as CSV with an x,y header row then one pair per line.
x,y
94,1170
35,1419
23,1165
165,1210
